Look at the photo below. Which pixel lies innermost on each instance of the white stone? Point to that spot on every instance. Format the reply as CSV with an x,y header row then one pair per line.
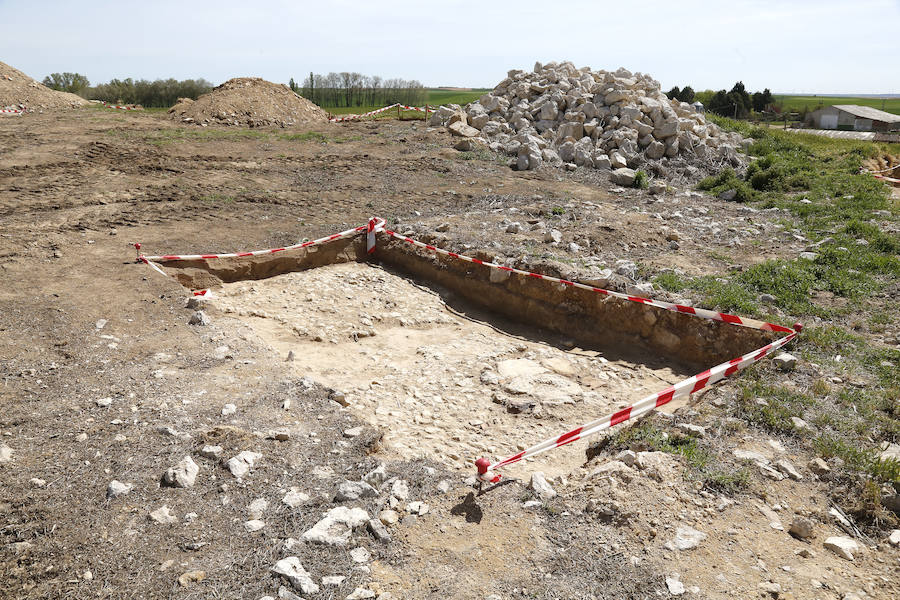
x,y
335,527
354,490
6,453
182,475
676,588
361,594
229,409
541,488
199,318
400,490
257,508
389,517
786,467
212,452
333,580
687,538
163,516
295,498
624,177
842,546
291,569
417,508
253,525
894,538
785,362
117,488
360,555
802,528
240,465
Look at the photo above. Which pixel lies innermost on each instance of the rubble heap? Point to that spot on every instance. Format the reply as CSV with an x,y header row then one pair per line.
x,y
607,120
251,102
18,91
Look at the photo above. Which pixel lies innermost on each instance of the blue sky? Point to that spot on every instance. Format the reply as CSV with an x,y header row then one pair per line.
x,y
801,46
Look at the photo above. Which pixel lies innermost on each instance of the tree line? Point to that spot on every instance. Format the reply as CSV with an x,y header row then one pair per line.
x,y
161,93
345,89
736,103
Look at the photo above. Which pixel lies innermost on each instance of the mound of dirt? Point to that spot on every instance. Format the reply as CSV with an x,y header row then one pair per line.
x,y
21,91
249,101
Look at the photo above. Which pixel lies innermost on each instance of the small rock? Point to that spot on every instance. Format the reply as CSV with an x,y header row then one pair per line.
x,y
400,490
186,579
37,482
87,576
541,487
163,516
353,432
767,298
818,466
333,580
103,402
295,498
417,508
360,555
443,486
676,588
101,323
335,527
117,488
363,593
182,475
802,528
553,236
894,538
801,425
443,227
199,318
354,490
691,429
212,452
513,227
389,517
241,464
842,546
770,587
229,409
810,256
253,525
291,569
786,467
687,538
785,361
378,530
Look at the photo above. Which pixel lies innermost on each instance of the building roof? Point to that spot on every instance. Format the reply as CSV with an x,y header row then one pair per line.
x,y
867,112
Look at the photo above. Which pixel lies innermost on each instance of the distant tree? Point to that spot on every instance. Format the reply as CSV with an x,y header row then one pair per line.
x,y
739,97
293,85
161,93
720,104
687,94
67,82
704,97
674,93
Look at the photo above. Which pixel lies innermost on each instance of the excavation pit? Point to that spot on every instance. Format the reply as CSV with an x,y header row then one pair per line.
x,y
453,362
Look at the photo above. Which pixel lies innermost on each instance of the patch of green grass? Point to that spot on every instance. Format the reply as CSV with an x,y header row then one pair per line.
x,y
480,153
811,103
462,97
217,198
701,460
725,181
778,404
309,136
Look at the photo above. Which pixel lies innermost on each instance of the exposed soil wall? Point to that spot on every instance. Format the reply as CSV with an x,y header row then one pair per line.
x,y
590,319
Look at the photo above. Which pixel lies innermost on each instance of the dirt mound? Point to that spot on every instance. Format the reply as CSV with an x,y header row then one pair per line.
x,y
249,101
21,91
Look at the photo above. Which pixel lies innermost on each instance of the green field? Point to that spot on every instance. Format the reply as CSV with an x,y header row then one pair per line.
x,y
811,103
435,98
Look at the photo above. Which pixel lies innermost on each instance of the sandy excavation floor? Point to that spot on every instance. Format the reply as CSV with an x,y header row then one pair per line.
x,y
438,383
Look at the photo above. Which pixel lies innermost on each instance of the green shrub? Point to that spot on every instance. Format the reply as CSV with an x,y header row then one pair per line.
x,y
726,180
641,180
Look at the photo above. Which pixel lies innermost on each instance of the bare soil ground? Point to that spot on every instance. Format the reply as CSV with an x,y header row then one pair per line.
x,y
104,379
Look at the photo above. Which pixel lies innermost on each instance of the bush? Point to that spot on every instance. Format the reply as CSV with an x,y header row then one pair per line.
x,y
641,180
726,180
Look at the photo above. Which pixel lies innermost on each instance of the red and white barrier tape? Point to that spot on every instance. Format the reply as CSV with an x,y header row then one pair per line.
x,y
122,107
11,111
888,179
683,388
680,389
378,111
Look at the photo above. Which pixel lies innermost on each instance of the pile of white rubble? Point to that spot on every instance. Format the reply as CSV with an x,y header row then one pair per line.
x,y
607,120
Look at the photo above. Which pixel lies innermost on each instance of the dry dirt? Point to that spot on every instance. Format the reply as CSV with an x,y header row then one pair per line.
x,y
81,323
249,101
18,89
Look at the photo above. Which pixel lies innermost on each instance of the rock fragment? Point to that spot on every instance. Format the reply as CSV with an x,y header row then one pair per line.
x,y
292,570
240,465
842,546
182,475
541,488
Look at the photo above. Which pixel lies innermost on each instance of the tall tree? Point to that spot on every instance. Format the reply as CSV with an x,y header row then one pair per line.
x,y
67,82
